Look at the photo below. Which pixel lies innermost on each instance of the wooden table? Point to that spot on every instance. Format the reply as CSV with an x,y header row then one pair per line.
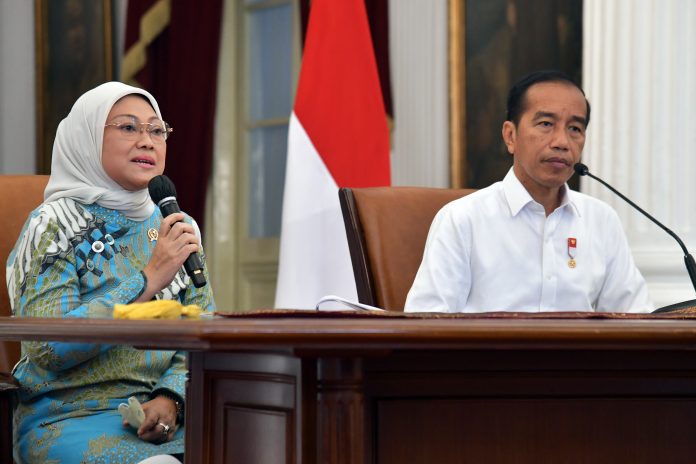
x,y
318,389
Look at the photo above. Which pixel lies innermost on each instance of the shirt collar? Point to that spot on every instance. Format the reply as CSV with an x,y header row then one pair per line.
x,y
518,197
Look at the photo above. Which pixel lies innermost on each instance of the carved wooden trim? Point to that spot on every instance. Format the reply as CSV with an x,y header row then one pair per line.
x,y
341,411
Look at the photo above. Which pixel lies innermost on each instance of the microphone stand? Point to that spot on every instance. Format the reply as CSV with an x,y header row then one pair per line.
x,y
583,170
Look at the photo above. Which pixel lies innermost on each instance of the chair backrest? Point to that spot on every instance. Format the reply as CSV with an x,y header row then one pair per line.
x,y
387,228
19,195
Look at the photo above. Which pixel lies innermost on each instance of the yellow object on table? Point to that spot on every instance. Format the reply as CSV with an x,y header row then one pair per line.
x,y
158,309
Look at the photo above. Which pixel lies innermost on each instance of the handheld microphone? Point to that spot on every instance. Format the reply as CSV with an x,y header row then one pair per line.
x,y
163,193
582,170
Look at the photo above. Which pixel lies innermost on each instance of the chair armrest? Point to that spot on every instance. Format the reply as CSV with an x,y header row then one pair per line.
x,y
7,383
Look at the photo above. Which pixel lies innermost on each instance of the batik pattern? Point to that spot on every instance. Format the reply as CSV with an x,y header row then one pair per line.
x,y
75,260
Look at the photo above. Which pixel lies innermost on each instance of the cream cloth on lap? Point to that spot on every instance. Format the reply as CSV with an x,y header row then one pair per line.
x,y
76,166
161,459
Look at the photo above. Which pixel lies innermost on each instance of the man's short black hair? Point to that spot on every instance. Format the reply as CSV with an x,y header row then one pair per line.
x,y
518,92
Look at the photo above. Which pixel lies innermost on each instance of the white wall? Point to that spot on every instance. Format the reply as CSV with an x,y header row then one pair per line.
x,y
640,76
17,88
418,53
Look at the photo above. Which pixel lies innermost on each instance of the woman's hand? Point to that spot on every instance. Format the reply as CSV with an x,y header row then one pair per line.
x,y
159,425
176,241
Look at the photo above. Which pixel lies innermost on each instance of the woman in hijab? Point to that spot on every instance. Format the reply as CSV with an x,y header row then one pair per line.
x,y
96,241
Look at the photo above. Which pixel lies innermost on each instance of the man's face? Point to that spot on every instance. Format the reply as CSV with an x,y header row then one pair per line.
x,y
550,136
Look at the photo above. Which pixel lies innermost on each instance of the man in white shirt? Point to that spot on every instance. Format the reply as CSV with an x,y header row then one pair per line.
x,y
529,243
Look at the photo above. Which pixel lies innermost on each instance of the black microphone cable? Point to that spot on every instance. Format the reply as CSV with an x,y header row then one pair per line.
x,y
583,170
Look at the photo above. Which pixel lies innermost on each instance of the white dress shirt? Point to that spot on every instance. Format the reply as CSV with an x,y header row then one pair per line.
x,y
496,250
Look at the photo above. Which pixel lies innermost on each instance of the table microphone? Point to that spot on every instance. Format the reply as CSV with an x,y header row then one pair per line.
x,y
163,193
583,170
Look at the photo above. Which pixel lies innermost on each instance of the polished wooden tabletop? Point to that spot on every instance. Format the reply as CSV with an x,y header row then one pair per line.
x,y
310,331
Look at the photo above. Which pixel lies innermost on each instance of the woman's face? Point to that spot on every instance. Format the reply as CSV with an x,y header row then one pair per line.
x,y
131,156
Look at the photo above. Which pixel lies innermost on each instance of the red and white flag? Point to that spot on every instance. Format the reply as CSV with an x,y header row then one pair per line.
x,y
338,137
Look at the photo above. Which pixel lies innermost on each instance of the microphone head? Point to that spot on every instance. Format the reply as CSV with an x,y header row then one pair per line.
x,y
161,187
581,169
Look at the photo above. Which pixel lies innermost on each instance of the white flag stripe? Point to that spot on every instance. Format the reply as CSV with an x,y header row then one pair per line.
x,y
314,257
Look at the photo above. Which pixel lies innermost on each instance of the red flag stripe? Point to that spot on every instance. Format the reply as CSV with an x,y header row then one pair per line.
x,y
338,99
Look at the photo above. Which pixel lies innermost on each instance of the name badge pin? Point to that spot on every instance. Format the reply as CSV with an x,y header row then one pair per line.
x,y
152,234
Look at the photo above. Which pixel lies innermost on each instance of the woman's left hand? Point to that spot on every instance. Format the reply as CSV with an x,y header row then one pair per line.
x,y
159,425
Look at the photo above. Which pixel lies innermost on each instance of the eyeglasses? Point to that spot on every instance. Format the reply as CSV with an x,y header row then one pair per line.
x,y
131,129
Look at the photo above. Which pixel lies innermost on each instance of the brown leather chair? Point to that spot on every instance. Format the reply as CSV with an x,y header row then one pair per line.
x,y
387,228
19,195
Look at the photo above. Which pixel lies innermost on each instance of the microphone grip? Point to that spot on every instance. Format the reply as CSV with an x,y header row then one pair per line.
x,y
169,206
193,264
194,268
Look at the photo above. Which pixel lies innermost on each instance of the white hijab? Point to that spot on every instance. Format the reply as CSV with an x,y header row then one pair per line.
x,y
76,167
